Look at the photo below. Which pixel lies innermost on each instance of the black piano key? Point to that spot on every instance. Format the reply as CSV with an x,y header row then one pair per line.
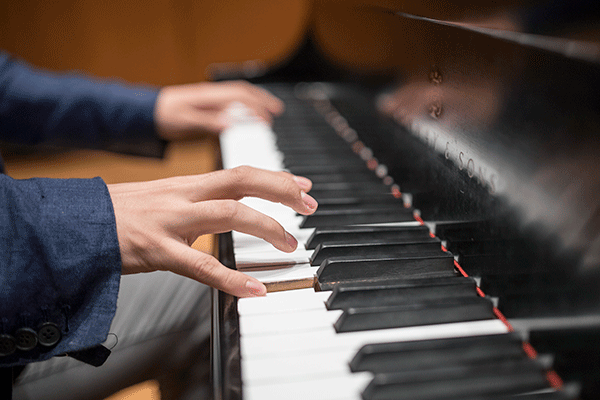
x,y
508,377
373,249
352,234
360,191
368,187
353,216
319,158
338,271
386,293
341,198
367,176
308,147
307,170
422,354
449,310
316,160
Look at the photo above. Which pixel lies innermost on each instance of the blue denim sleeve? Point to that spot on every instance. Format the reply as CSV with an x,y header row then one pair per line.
x,y
60,267
37,106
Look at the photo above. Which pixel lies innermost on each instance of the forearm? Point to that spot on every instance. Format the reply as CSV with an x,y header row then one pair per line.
x,y
67,109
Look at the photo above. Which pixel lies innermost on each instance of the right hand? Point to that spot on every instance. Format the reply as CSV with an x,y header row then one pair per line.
x,y
157,221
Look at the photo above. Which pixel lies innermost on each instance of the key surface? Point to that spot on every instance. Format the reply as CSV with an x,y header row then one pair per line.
x,y
406,356
428,312
341,270
400,292
505,377
374,249
354,234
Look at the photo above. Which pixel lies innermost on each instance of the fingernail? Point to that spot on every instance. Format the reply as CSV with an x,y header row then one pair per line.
x,y
291,241
256,288
310,203
304,183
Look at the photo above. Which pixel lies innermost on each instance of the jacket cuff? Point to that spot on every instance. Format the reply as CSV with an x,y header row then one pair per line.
x,y
60,265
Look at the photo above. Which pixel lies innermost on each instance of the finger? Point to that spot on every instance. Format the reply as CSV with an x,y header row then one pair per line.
x,y
261,102
215,120
233,114
184,260
272,103
210,120
244,181
216,216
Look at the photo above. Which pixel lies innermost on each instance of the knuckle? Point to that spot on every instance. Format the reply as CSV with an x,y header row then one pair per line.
x,y
227,280
290,188
240,174
211,272
204,268
277,230
229,210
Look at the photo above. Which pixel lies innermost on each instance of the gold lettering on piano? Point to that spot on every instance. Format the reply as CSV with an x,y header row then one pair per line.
x,y
471,168
464,156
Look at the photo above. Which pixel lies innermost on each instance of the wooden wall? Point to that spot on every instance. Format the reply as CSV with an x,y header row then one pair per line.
x,y
156,41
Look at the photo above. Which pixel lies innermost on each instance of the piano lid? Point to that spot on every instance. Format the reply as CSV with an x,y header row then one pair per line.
x,y
506,96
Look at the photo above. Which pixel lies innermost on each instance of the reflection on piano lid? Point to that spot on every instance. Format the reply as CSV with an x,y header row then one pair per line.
x,y
484,121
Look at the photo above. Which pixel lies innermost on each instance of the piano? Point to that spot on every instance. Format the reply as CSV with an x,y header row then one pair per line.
x,y
455,154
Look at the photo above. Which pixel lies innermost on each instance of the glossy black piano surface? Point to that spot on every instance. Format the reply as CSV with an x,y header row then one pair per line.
x,y
489,119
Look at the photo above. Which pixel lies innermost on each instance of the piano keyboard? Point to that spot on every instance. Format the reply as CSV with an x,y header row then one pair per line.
x,y
370,305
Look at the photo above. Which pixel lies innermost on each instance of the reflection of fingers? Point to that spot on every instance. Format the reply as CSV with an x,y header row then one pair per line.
x,y
206,269
246,181
217,216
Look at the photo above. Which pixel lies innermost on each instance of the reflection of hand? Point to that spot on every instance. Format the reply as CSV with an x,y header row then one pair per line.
x,y
157,221
186,110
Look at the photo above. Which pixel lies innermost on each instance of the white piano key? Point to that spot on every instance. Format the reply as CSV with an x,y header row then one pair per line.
x,y
327,338
345,387
284,273
251,144
299,321
268,250
296,366
288,301
242,240
271,258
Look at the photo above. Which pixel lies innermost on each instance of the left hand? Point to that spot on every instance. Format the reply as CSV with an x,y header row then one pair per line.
x,y
183,111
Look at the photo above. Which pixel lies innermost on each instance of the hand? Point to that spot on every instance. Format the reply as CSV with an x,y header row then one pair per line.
x,y
183,111
157,221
